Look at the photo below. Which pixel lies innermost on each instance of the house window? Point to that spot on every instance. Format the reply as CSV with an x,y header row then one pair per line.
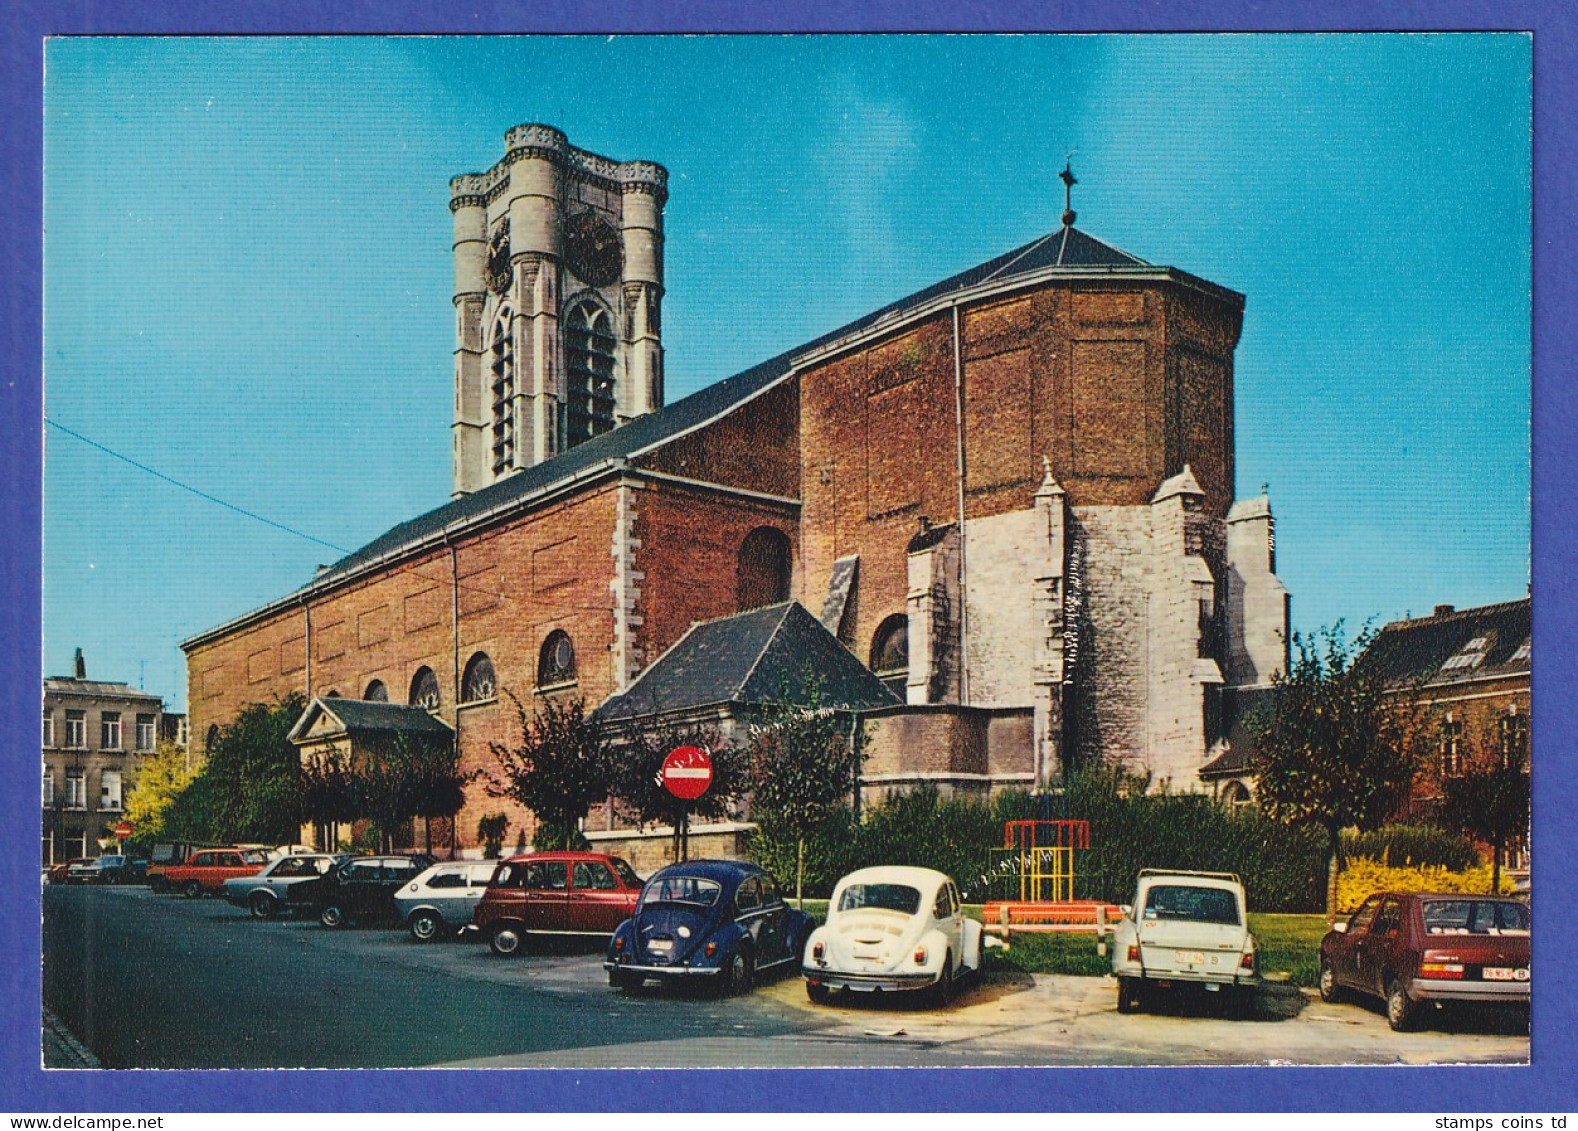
x,y
76,790
480,684
213,737
49,728
424,690
145,725
77,730
110,730
376,692
762,573
1451,747
49,787
501,361
556,664
1470,656
890,652
589,365
110,791
1514,740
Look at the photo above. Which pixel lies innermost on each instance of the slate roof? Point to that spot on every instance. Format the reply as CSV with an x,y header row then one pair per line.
x,y
1410,651
360,716
65,685
1066,247
763,656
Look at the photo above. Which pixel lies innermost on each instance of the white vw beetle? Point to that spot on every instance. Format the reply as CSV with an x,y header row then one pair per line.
x,y
891,928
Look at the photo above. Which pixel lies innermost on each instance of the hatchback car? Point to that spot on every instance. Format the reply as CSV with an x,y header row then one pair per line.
x,y
555,893
359,890
1412,949
717,922
1185,930
442,899
264,894
893,929
113,868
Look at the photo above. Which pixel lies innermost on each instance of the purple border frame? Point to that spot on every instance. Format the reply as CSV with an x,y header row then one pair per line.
x,y
1547,1084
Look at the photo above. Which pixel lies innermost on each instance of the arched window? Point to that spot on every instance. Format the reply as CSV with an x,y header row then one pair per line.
x,y
589,372
332,695
1236,794
890,651
213,737
424,689
479,683
762,575
376,692
557,663
501,363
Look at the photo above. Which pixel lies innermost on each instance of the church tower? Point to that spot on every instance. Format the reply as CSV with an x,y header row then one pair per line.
x,y
558,292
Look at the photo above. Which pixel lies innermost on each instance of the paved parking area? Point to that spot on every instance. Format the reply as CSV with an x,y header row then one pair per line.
x,y
375,997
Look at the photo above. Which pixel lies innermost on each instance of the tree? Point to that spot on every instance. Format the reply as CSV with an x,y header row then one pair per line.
x,y
1333,748
330,793
805,762
161,778
249,788
559,770
1490,801
636,778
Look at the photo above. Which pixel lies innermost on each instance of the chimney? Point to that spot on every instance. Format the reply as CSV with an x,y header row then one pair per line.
x,y
79,666
1444,610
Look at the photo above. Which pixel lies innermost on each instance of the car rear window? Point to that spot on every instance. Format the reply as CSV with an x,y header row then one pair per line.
x,y
1475,917
682,889
887,897
1184,903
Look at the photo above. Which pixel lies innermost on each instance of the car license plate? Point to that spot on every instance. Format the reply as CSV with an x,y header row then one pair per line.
x,y
660,945
1506,974
1188,957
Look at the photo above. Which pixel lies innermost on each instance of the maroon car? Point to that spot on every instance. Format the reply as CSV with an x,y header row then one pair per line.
x,y
555,893
1409,949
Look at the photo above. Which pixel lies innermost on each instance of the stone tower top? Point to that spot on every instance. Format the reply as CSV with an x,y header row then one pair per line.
x,y
531,140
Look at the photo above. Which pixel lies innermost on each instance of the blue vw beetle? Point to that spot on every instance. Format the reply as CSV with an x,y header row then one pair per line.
x,y
716,922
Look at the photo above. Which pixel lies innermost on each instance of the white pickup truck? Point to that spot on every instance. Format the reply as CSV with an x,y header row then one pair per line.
x,y
1184,929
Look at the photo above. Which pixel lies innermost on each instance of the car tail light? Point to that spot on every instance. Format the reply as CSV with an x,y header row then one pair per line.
x,y
712,949
1134,952
1248,961
816,950
920,956
1440,964
619,943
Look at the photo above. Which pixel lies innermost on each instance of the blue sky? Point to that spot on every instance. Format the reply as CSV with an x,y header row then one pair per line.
x,y
247,272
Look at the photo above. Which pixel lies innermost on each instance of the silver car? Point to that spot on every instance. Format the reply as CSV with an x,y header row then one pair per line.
x,y
443,898
264,893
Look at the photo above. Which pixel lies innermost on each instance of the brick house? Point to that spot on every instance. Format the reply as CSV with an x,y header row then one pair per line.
x,y
1010,495
93,734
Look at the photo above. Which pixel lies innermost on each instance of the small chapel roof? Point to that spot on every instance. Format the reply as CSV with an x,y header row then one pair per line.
x,y
767,655
363,717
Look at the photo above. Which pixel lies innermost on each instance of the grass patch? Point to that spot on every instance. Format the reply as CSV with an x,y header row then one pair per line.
x,y
1290,944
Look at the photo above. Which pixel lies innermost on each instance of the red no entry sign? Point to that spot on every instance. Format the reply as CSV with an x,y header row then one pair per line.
x,y
123,830
687,772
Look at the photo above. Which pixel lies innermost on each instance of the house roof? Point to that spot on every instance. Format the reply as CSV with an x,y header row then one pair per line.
x,y
767,655
97,688
1064,250
361,717
1454,645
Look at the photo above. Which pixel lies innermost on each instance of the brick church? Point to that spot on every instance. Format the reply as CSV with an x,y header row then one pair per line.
x,y
1005,503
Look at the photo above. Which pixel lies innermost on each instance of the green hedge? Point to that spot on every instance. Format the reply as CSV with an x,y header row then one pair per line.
x,y
1404,846
1130,829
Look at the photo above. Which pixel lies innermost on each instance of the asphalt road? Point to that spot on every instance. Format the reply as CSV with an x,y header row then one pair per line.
x,y
161,982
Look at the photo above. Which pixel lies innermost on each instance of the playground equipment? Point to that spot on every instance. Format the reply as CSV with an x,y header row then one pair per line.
x,y
1036,866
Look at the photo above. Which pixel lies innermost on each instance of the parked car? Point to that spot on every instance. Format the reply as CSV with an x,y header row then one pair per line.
x,y
164,856
1411,949
264,893
1185,929
715,921
892,929
359,890
443,899
108,869
58,873
208,868
555,893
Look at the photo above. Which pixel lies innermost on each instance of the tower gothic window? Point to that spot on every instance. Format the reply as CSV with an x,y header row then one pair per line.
x,y
890,652
589,376
480,683
424,689
501,363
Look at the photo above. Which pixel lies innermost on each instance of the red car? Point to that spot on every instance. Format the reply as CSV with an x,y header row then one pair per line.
x,y
1410,949
555,893
206,871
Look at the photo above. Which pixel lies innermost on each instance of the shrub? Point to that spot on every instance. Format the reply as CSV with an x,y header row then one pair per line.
x,y
1404,845
1364,877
